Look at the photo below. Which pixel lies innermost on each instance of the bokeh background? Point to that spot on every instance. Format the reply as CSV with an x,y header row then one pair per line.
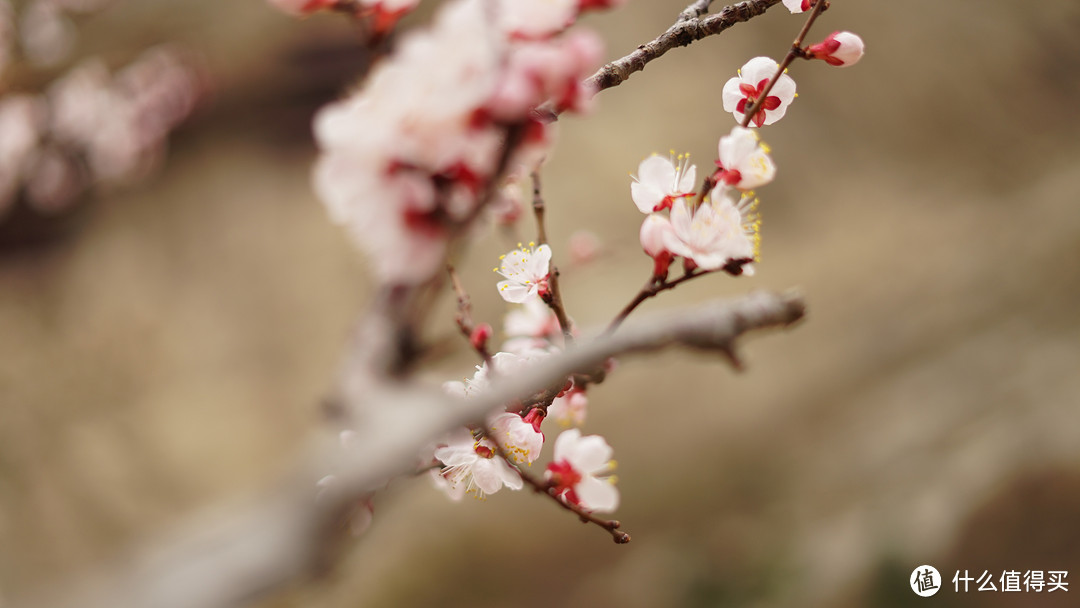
x,y
164,346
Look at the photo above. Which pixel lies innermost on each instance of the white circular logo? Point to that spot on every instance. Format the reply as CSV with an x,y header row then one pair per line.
x,y
925,581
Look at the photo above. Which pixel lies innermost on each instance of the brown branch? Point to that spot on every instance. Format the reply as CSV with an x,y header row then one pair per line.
x,y
796,51
651,288
554,297
695,10
687,29
464,317
540,487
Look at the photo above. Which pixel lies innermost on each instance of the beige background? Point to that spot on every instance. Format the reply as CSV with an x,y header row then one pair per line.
x,y
168,347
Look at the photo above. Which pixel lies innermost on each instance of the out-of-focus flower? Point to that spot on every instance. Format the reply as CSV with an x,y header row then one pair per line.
x,y
301,7
551,70
472,465
520,438
47,35
798,6
839,48
744,160
661,181
533,319
535,19
585,246
578,471
22,118
526,271
741,92
569,409
656,233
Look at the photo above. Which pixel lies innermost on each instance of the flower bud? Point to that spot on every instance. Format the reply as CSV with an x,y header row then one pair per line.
x,y
839,48
480,335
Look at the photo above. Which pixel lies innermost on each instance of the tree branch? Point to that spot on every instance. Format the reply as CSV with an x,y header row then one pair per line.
x,y
687,29
285,534
554,297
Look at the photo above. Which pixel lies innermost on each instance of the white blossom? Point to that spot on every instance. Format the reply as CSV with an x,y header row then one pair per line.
x,y
526,270
579,471
744,160
661,181
741,92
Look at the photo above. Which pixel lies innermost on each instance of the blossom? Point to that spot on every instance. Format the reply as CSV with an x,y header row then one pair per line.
x,y
534,19
472,465
554,70
526,271
660,181
576,473
519,437
839,48
656,231
721,233
744,160
569,409
741,92
533,319
385,13
798,6
301,7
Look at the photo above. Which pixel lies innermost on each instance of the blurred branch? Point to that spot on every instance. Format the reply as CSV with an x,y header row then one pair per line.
x,y
286,534
689,27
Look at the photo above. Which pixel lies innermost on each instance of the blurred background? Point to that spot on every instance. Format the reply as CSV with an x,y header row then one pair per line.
x,y
172,308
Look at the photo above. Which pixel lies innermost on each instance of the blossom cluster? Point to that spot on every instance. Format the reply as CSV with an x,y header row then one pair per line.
x,y
93,127
716,230
409,160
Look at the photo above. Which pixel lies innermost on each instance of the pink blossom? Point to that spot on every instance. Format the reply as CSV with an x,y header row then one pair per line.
x,y
839,48
661,181
536,19
579,470
744,160
533,319
741,92
526,270
553,70
585,246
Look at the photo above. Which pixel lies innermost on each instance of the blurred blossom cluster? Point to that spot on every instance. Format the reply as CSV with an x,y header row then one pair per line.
x,y
90,125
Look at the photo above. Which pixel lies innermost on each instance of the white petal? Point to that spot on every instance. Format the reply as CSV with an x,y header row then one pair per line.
x,y
795,6
758,69
644,197
597,495
656,172
514,292
731,94
784,89
686,184
538,265
590,454
564,443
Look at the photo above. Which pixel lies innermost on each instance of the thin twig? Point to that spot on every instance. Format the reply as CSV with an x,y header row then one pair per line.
x,y
541,487
695,10
796,51
650,289
464,317
554,297
686,30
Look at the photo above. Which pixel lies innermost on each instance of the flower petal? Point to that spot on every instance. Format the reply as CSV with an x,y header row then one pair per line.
x,y
597,494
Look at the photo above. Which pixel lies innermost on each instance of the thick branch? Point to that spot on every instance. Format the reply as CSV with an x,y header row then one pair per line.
x,y
686,30
285,534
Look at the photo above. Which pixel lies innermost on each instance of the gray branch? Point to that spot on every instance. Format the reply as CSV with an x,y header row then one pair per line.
x,y
243,551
